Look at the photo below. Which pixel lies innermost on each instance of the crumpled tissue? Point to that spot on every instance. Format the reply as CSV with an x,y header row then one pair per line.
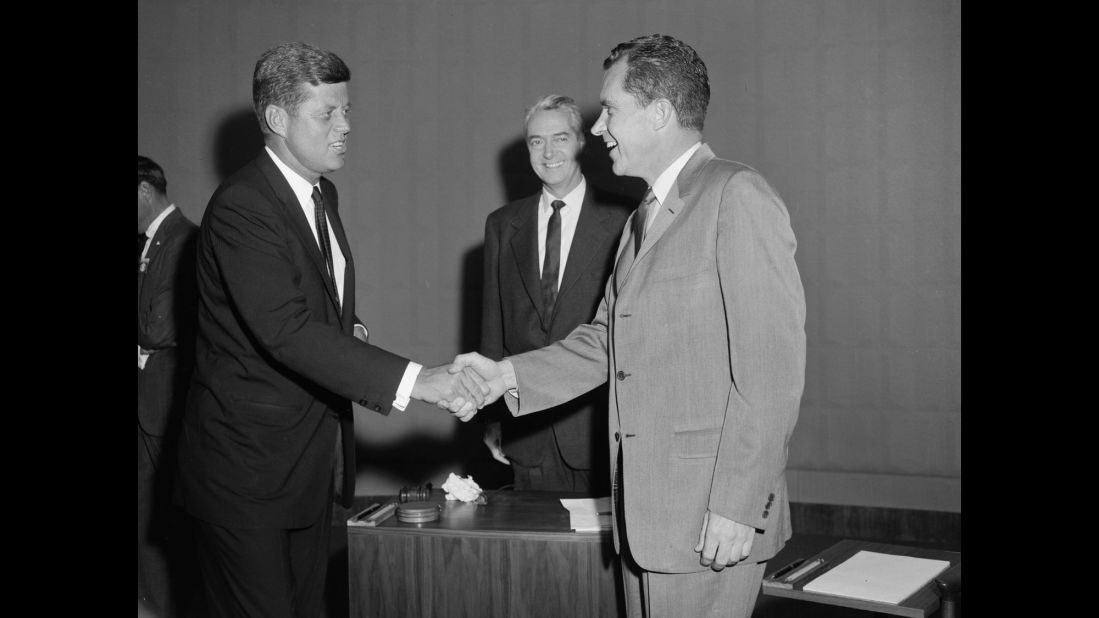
x,y
464,489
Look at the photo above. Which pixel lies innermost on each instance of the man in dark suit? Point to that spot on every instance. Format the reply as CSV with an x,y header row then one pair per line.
x,y
268,442
547,258
701,335
165,355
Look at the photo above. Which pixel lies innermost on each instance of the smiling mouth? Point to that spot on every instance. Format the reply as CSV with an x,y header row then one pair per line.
x,y
555,165
610,144
340,146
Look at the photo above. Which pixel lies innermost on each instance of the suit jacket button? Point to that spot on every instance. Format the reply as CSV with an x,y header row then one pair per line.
x,y
621,375
770,497
765,513
616,437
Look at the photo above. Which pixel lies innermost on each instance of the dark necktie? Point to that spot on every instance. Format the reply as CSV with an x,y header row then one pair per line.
x,y
552,261
640,218
141,239
322,234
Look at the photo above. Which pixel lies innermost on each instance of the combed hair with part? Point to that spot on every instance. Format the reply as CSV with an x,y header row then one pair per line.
x,y
282,70
663,67
148,171
558,101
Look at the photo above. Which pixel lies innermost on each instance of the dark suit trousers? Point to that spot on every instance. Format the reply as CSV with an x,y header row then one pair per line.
x,y
166,571
265,572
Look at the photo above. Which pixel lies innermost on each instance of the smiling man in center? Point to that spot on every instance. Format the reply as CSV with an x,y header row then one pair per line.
x,y
547,259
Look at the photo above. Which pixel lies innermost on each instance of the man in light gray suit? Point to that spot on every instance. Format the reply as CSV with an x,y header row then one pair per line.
x,y
701,334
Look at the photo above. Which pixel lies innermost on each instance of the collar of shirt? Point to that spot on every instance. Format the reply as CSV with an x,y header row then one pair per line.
x,y
304,192
667,178
573,201
154,226
301,187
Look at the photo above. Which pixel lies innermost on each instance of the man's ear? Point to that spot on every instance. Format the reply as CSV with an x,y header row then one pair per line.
x,y
276,119
662,113
144,190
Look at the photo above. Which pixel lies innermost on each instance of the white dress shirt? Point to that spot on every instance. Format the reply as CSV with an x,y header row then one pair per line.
x,y
570,214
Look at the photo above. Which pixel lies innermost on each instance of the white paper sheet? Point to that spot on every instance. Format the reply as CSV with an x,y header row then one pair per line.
x,y
878,577
588,514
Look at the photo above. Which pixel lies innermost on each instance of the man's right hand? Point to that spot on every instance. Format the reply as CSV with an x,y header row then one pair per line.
x,y
493,439
490,371
461,394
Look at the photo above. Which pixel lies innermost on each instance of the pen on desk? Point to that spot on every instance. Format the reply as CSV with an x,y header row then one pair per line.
x,y
803,571
380,515
777,575
368,510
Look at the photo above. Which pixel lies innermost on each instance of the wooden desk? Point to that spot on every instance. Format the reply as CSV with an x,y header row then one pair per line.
x,y
513,557
922,603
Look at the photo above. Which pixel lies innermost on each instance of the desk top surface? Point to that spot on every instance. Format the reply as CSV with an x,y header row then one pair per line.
x,y
507,514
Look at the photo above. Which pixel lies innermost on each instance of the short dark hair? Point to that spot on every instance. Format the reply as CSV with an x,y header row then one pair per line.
x,y
281,70
663,67
148,171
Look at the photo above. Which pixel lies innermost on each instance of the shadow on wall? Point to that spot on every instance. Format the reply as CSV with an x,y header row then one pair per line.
x,y
417,459
596,164
238,140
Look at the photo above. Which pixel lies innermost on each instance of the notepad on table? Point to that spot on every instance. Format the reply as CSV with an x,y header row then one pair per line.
x,y
874,576
588,514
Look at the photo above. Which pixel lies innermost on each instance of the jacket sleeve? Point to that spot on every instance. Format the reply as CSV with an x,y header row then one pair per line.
x,y
563,370
263,281
764,306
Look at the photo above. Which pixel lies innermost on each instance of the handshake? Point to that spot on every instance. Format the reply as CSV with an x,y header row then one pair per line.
x,y
465,386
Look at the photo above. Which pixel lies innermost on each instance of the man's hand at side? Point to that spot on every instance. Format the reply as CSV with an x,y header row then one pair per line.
x,y
723,542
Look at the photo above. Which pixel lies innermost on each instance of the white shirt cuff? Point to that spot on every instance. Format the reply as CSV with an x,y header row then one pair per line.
x,y
510,383
404,390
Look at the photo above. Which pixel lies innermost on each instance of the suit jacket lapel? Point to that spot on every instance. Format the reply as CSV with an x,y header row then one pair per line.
x,y
524,248
677,200
162,232
331,209
299,223
590,230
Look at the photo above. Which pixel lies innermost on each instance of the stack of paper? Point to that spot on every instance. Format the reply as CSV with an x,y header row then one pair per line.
x,y
588,514
878,577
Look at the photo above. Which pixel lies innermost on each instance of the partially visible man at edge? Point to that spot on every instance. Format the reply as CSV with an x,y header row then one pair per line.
x,y
166,572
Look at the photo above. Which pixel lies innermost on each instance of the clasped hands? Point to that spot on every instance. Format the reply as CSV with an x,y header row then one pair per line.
x,y
465,386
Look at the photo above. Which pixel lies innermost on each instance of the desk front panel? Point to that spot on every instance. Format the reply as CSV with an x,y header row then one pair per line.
x,y
515,560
